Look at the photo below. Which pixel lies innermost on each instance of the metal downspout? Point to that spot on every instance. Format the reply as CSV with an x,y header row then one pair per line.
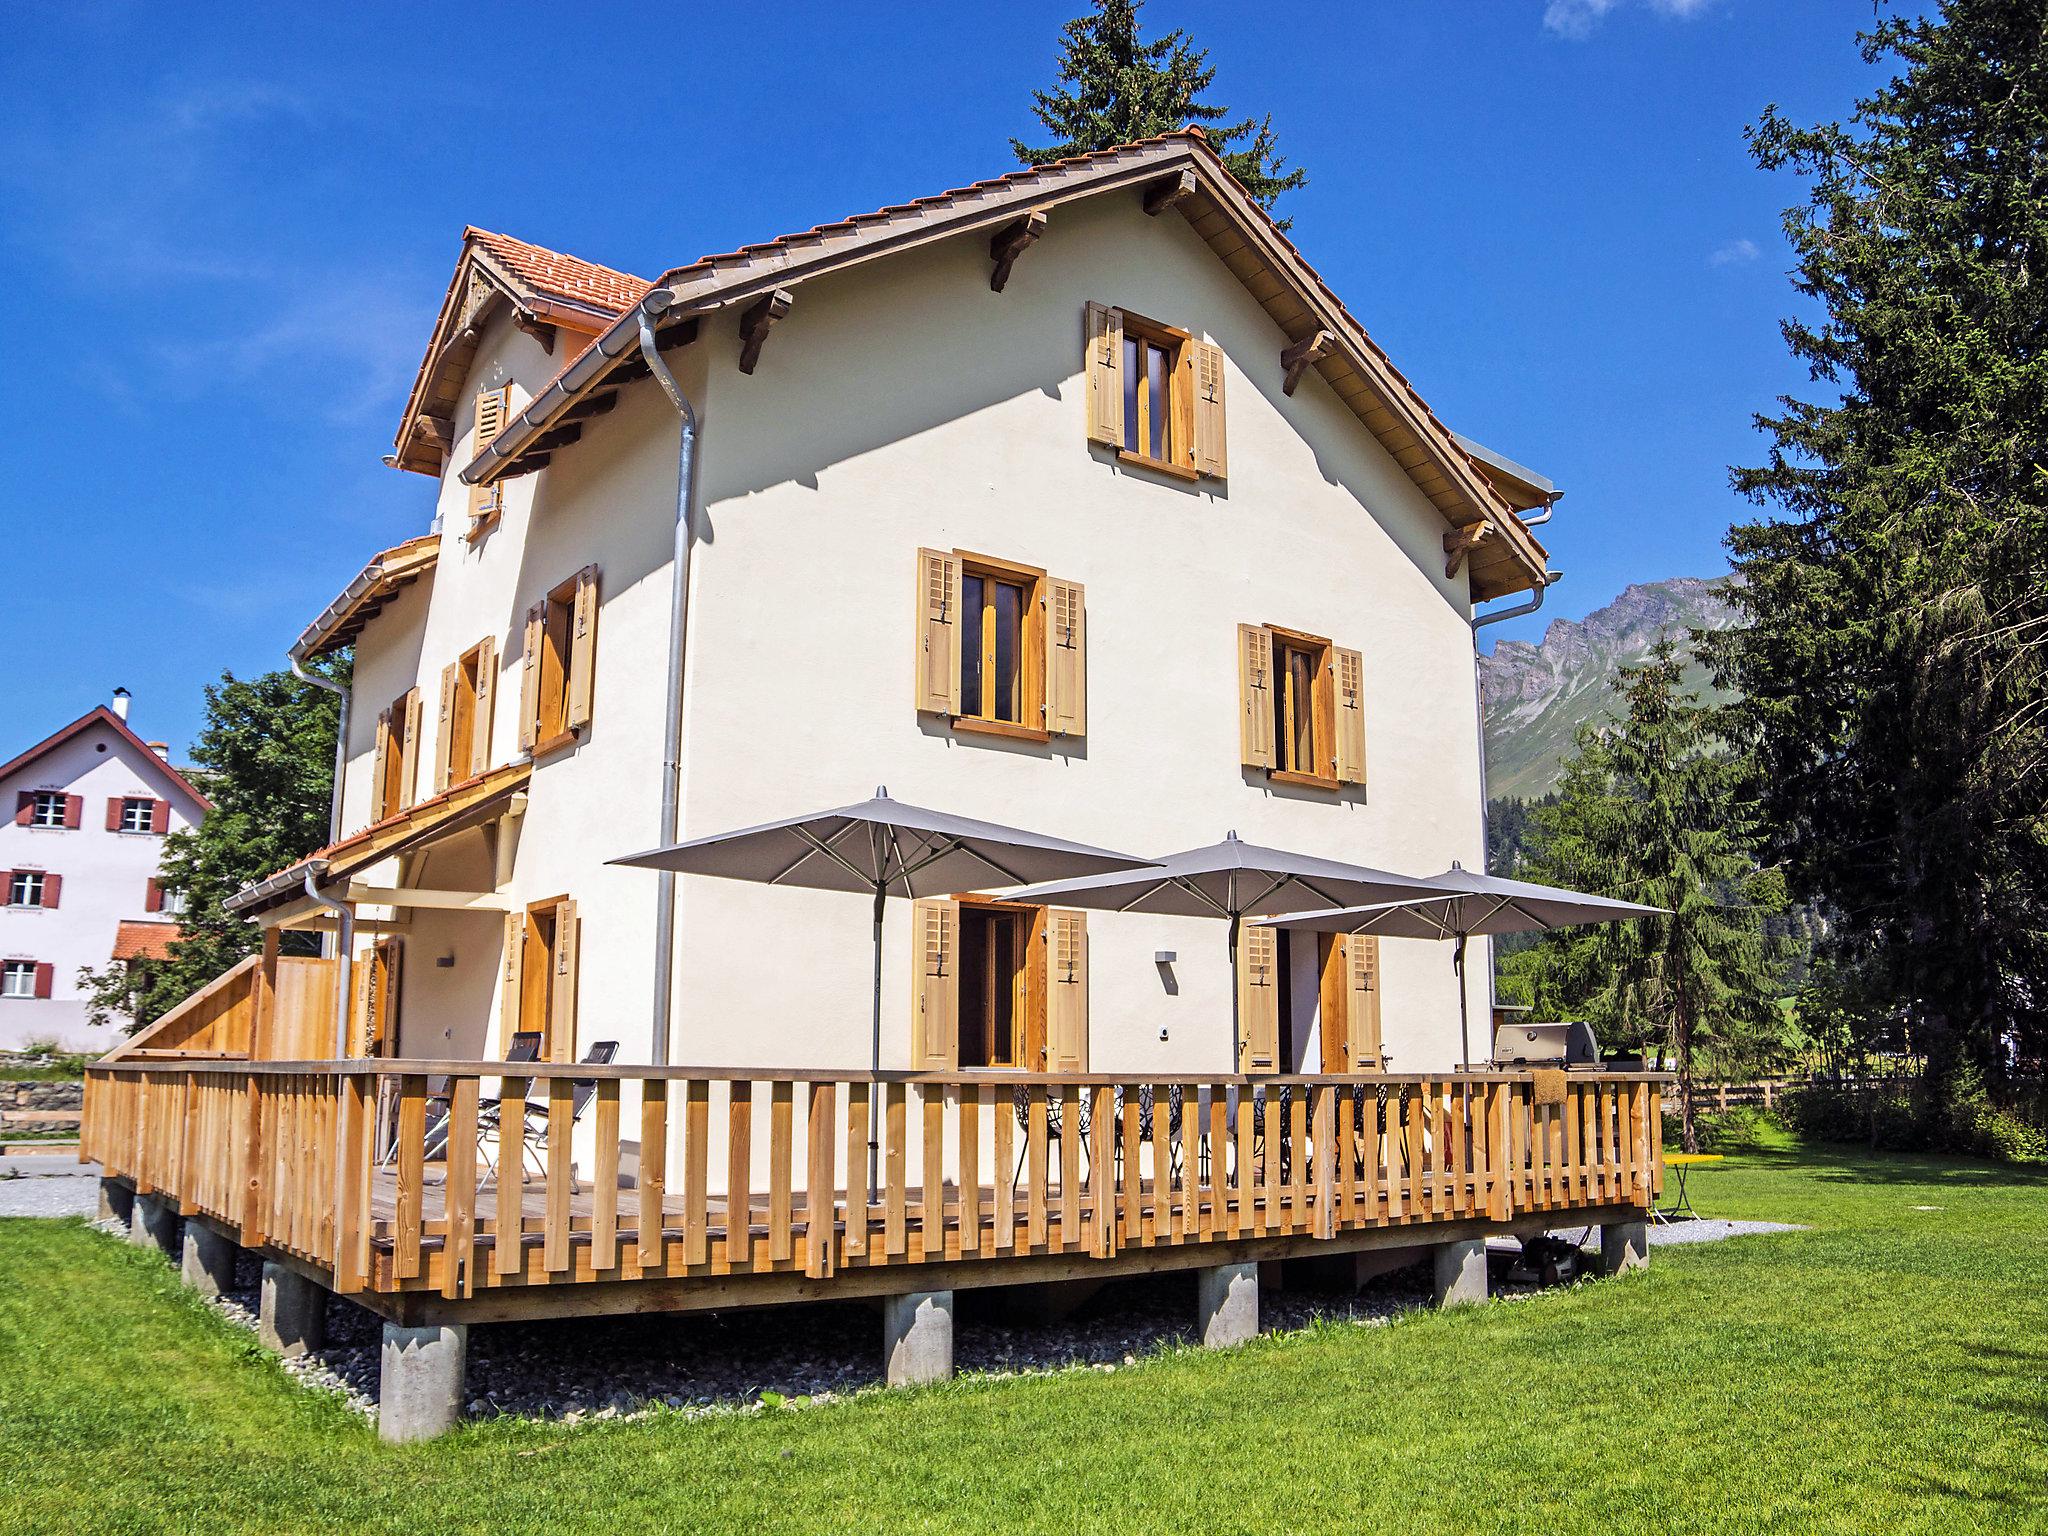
x,y
672,702
340,742
344,953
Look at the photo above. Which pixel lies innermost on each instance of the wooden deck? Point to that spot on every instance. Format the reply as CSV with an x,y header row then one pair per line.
x,y
382,1179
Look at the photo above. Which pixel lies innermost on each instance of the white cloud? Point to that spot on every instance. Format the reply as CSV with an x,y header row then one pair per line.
x,y
1577,19
1733,253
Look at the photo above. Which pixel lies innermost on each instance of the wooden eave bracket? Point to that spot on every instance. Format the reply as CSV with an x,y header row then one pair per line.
x,y
1460,542
539,329
1168,191
1296,357
439,430
755,323
1010,242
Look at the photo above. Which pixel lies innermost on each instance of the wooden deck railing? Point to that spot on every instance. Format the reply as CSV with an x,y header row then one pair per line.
x,y
397,1177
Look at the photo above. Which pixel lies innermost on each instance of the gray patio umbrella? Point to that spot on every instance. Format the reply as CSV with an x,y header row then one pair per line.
x,y
1232,880
882,847
1469,902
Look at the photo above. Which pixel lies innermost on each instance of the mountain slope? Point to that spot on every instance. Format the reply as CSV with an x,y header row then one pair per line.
x,y
1535,697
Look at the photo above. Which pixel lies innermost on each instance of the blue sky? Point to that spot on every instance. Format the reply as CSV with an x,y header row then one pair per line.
x,y
227,229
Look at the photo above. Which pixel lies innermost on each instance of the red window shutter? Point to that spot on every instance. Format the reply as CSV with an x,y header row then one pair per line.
x,y
153,896
114,814
160,816
24,807
46,973
53,886
74,811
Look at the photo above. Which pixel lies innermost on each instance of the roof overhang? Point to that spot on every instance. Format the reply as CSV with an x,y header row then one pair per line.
x,y
1510,559
472,803
101,715
1521,487
366,594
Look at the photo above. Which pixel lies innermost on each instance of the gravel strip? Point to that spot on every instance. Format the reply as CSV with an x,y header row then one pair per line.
x,y
1711,1230
24,1196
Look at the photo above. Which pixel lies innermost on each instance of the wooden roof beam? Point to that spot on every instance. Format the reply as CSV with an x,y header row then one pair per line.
x,y
557,437
1010,242
1460,542
595,405
435,429
757,321
1296,357
540,330
1169,191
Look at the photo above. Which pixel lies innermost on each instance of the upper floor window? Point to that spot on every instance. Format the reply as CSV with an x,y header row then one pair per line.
x,y
24,978
47,808
156,899
1155,394
1301,707
392,772
1002,647
135,813
468,686
493,410
558,672
30,888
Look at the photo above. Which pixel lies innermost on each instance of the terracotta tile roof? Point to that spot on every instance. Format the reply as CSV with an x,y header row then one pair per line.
x,y
101,715
561,276
145,941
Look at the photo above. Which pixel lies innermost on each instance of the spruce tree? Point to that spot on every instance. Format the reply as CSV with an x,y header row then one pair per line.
x,y
1893,661
1115,86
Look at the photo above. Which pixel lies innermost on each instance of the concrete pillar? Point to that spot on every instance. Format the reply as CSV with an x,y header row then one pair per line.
x,y
917,1338
117,1203
154,1224
1460,1273
1227,1304
1624,1245
291,1318
419,1393
209,1260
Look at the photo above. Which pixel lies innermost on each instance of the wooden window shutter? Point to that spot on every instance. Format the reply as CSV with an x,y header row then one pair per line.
x,y
1350,669
74,812
444,737
529,676
582,650
380,764
1209,454
562,986
160,816
409,754
1362,970
938,632
391,978
1066,671
53,890
24,807
1105,361
935,1027
1258,998
486,694
1066,990
1255,696
46,976
114,807
152,896
493,406
513,982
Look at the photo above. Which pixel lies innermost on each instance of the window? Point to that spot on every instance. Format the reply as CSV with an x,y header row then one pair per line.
x,y
1301,707
392,773
999,986
1001,646
1155,394
46,808
26,888
557,675
468,686
1273,1017
541,946
1350,1002
25,978
157,899
493,409
137,815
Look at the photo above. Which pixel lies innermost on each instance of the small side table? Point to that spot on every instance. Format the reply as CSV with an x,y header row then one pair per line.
x,y
1680,1208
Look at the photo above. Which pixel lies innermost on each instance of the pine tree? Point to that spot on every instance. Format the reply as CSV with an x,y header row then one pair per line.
x,y
266,760
1893,662
1115,87
1651,809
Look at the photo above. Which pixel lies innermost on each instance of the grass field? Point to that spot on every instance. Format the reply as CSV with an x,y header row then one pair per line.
x,y
1886,1371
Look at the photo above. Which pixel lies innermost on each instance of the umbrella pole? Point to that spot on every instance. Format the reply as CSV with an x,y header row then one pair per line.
x,y
1236,1027
1464,1025
875,1047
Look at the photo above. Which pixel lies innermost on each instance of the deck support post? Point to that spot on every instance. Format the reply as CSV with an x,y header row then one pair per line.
x,y
208,1265
1227,1304
117,1203
421,1381
1624,1245
291,1317
1459,1273
917,1338
154,1224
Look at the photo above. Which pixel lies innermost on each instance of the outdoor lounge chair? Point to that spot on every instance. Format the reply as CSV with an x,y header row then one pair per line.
x,y
533,1134
525,1047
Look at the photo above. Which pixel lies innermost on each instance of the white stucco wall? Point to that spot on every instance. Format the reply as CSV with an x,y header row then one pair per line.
x,y
105,878
907,405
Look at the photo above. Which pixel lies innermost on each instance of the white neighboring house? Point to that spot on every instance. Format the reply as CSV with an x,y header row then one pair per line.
x,y
91,805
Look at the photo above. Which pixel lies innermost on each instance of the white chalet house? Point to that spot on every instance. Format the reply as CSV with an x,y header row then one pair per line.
x,y
1073,500
88,808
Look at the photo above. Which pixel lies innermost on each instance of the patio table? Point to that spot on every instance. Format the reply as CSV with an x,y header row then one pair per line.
x,y
1680,1208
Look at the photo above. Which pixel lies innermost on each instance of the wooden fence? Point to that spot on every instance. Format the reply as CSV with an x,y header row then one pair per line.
x,y
269,1007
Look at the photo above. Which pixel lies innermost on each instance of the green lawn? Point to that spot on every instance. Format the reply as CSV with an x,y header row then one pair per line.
x,y
1887,1371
